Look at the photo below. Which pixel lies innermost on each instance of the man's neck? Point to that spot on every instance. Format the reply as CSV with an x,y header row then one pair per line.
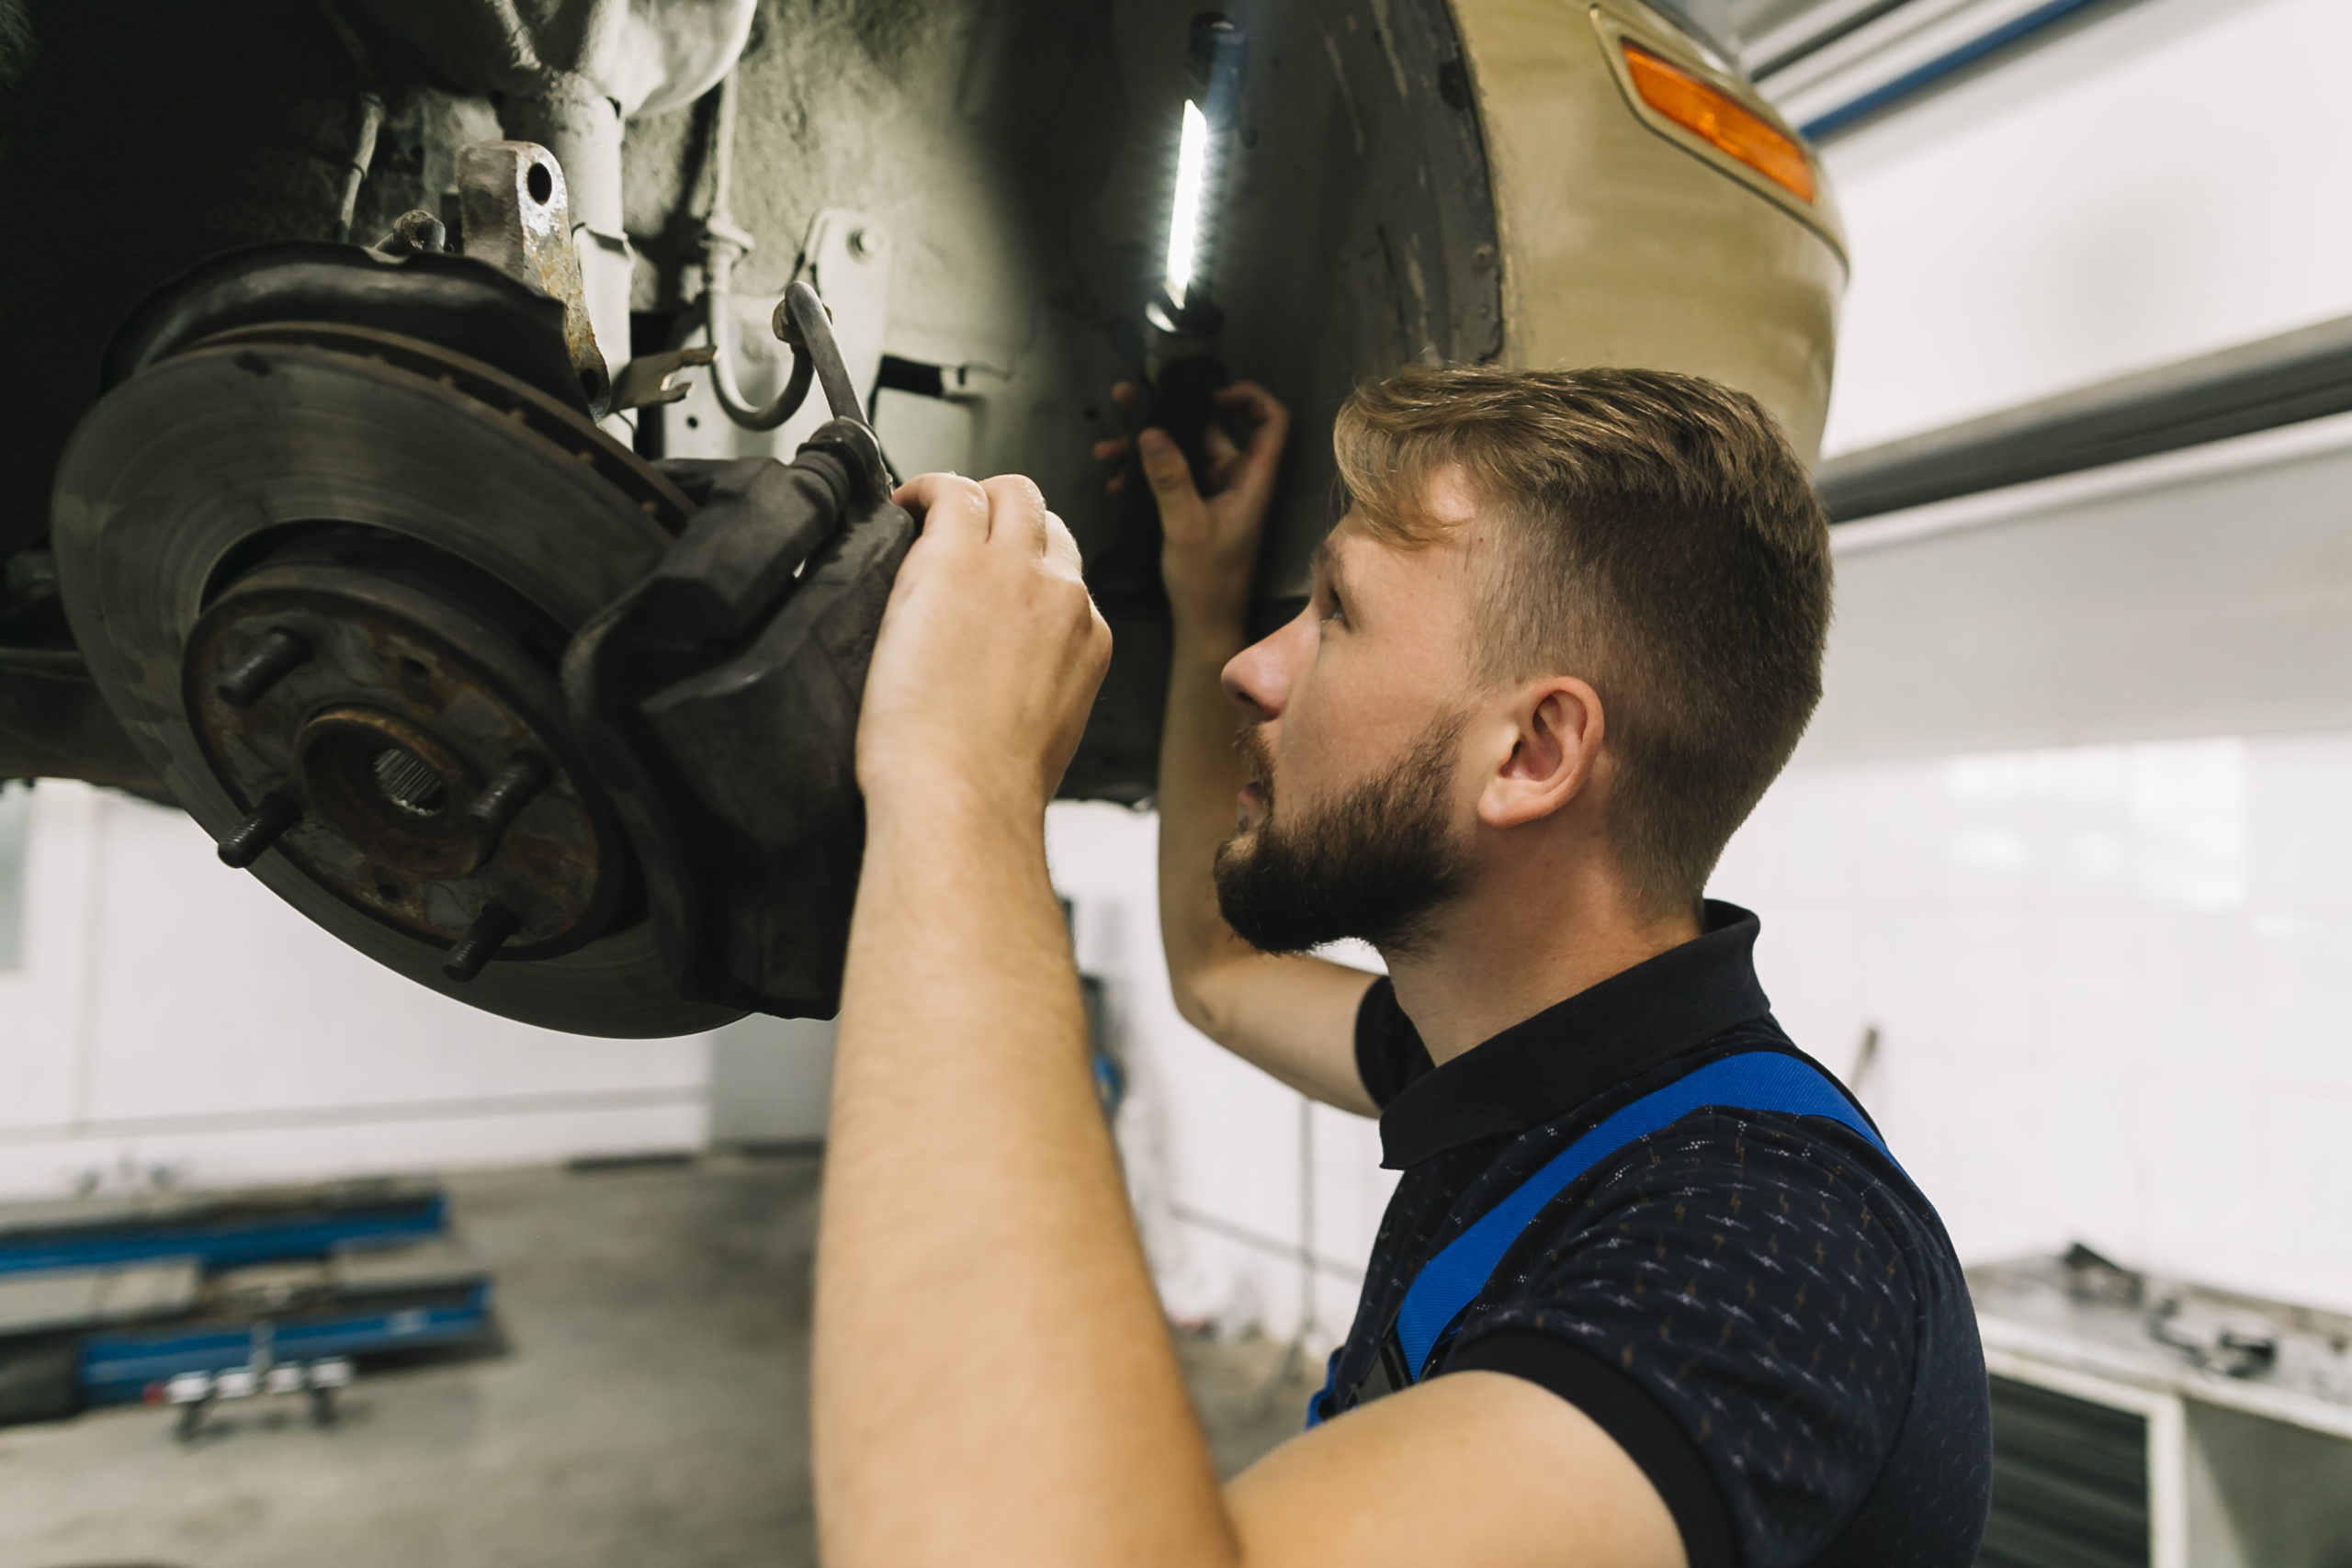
x,y
1503,955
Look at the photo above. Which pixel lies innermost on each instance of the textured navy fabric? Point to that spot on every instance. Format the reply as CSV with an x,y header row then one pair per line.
x,y
1776,1082
1761,1309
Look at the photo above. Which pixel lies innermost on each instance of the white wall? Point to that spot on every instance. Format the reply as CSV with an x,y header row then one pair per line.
x,y
172,1014
2106,981
2166,181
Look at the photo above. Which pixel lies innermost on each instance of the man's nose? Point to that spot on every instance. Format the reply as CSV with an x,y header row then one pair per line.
x,y
1258,678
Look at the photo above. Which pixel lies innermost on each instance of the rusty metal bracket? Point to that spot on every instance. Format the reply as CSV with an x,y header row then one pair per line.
x,y
517,217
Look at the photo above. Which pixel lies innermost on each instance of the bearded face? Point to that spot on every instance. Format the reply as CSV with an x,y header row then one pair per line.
x,y
1375,864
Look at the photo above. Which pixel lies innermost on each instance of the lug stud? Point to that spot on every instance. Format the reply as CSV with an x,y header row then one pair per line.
x,y
472,951
271,660
502,800
262,827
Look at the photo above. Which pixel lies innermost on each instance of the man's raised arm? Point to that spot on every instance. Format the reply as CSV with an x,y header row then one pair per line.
x,y
1294,1016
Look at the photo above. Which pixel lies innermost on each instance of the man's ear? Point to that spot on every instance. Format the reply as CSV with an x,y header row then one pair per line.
x,y
1555,752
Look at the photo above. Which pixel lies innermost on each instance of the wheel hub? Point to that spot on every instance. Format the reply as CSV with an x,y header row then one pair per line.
x,y
399,743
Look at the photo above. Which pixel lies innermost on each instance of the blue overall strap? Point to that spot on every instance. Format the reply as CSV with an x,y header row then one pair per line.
x,y
1754,1080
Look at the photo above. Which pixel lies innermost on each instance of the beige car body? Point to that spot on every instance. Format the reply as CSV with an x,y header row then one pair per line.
x,y
1627,240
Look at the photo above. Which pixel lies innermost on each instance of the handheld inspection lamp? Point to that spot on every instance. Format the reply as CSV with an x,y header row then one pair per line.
x,y
1182,324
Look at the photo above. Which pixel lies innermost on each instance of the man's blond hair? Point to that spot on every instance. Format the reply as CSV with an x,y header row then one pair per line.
x,y
1657,537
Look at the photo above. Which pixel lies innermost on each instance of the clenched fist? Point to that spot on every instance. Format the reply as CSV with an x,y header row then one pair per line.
x,y
989,653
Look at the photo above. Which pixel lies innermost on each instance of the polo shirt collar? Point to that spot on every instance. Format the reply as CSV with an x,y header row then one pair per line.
x,y
1543,1067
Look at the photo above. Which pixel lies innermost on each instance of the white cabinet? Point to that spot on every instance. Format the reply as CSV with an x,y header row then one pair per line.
x,y
2143,1421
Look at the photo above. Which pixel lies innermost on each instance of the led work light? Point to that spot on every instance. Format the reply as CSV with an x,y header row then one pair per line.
x,y
1182,321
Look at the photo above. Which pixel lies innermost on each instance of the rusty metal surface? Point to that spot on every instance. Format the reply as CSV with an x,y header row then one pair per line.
x,y
637,479
413,232
434,297
517,217
392,672
194,466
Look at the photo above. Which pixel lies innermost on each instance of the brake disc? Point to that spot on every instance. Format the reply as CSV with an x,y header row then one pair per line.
x,y
324,575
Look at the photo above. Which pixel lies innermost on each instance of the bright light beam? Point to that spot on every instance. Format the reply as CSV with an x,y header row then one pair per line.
x,y
1184,213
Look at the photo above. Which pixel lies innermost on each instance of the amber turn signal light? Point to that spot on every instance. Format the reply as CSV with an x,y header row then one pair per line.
x,y
1721,122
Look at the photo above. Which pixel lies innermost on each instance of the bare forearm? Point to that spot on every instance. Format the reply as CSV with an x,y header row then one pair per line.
x,y
981,1285
1200,775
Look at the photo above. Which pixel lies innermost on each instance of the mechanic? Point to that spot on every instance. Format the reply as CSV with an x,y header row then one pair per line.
x,y
1651,1291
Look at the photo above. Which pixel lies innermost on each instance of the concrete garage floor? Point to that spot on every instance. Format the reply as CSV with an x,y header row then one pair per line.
x,y
651,1407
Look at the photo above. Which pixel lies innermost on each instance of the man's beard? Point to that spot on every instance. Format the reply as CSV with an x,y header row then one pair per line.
x,y
1377,863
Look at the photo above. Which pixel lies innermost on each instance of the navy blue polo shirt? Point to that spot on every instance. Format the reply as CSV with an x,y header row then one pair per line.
x,y
1761,1309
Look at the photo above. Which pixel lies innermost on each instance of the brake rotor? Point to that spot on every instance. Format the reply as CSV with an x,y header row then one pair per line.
x,y
323,574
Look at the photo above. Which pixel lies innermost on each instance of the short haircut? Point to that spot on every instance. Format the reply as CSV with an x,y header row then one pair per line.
x,y
1658,538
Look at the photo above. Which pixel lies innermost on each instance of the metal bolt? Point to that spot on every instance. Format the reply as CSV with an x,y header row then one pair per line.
x,y
272,660
502,800
419,231
472,951
262,827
